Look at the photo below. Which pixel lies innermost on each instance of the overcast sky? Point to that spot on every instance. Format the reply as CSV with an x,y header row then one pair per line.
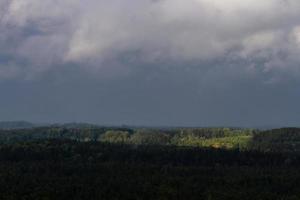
x,y
151,62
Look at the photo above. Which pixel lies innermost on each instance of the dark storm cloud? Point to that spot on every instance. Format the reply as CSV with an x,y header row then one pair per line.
x,y
47,33
173,62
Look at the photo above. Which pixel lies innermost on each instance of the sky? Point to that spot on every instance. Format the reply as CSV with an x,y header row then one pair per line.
x,y
151,62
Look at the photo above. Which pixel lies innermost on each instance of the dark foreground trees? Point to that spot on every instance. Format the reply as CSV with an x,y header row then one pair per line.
x,y
65,169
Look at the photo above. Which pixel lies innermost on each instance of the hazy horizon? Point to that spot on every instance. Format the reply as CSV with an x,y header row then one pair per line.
x,y
62,123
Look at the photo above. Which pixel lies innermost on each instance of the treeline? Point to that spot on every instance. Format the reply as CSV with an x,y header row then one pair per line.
x,y
277,140
227,137
285,139
51,132
206,137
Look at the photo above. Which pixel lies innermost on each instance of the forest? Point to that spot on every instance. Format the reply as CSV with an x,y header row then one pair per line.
x,y
91,162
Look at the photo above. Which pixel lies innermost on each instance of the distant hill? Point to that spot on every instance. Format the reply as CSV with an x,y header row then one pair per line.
x,y
15,124
75,125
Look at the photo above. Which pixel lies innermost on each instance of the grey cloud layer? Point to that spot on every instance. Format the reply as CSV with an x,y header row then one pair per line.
x,y
151,62
36,35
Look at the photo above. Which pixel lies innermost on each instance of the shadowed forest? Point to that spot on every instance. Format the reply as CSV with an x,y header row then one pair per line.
x,y
78,161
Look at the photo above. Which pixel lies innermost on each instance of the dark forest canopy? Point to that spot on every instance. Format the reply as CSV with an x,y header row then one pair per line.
x,y
90,162
68,169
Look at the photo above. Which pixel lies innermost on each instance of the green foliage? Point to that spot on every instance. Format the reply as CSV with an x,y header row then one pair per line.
x,y
287,139
149,137
231,142
214,137
112,136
